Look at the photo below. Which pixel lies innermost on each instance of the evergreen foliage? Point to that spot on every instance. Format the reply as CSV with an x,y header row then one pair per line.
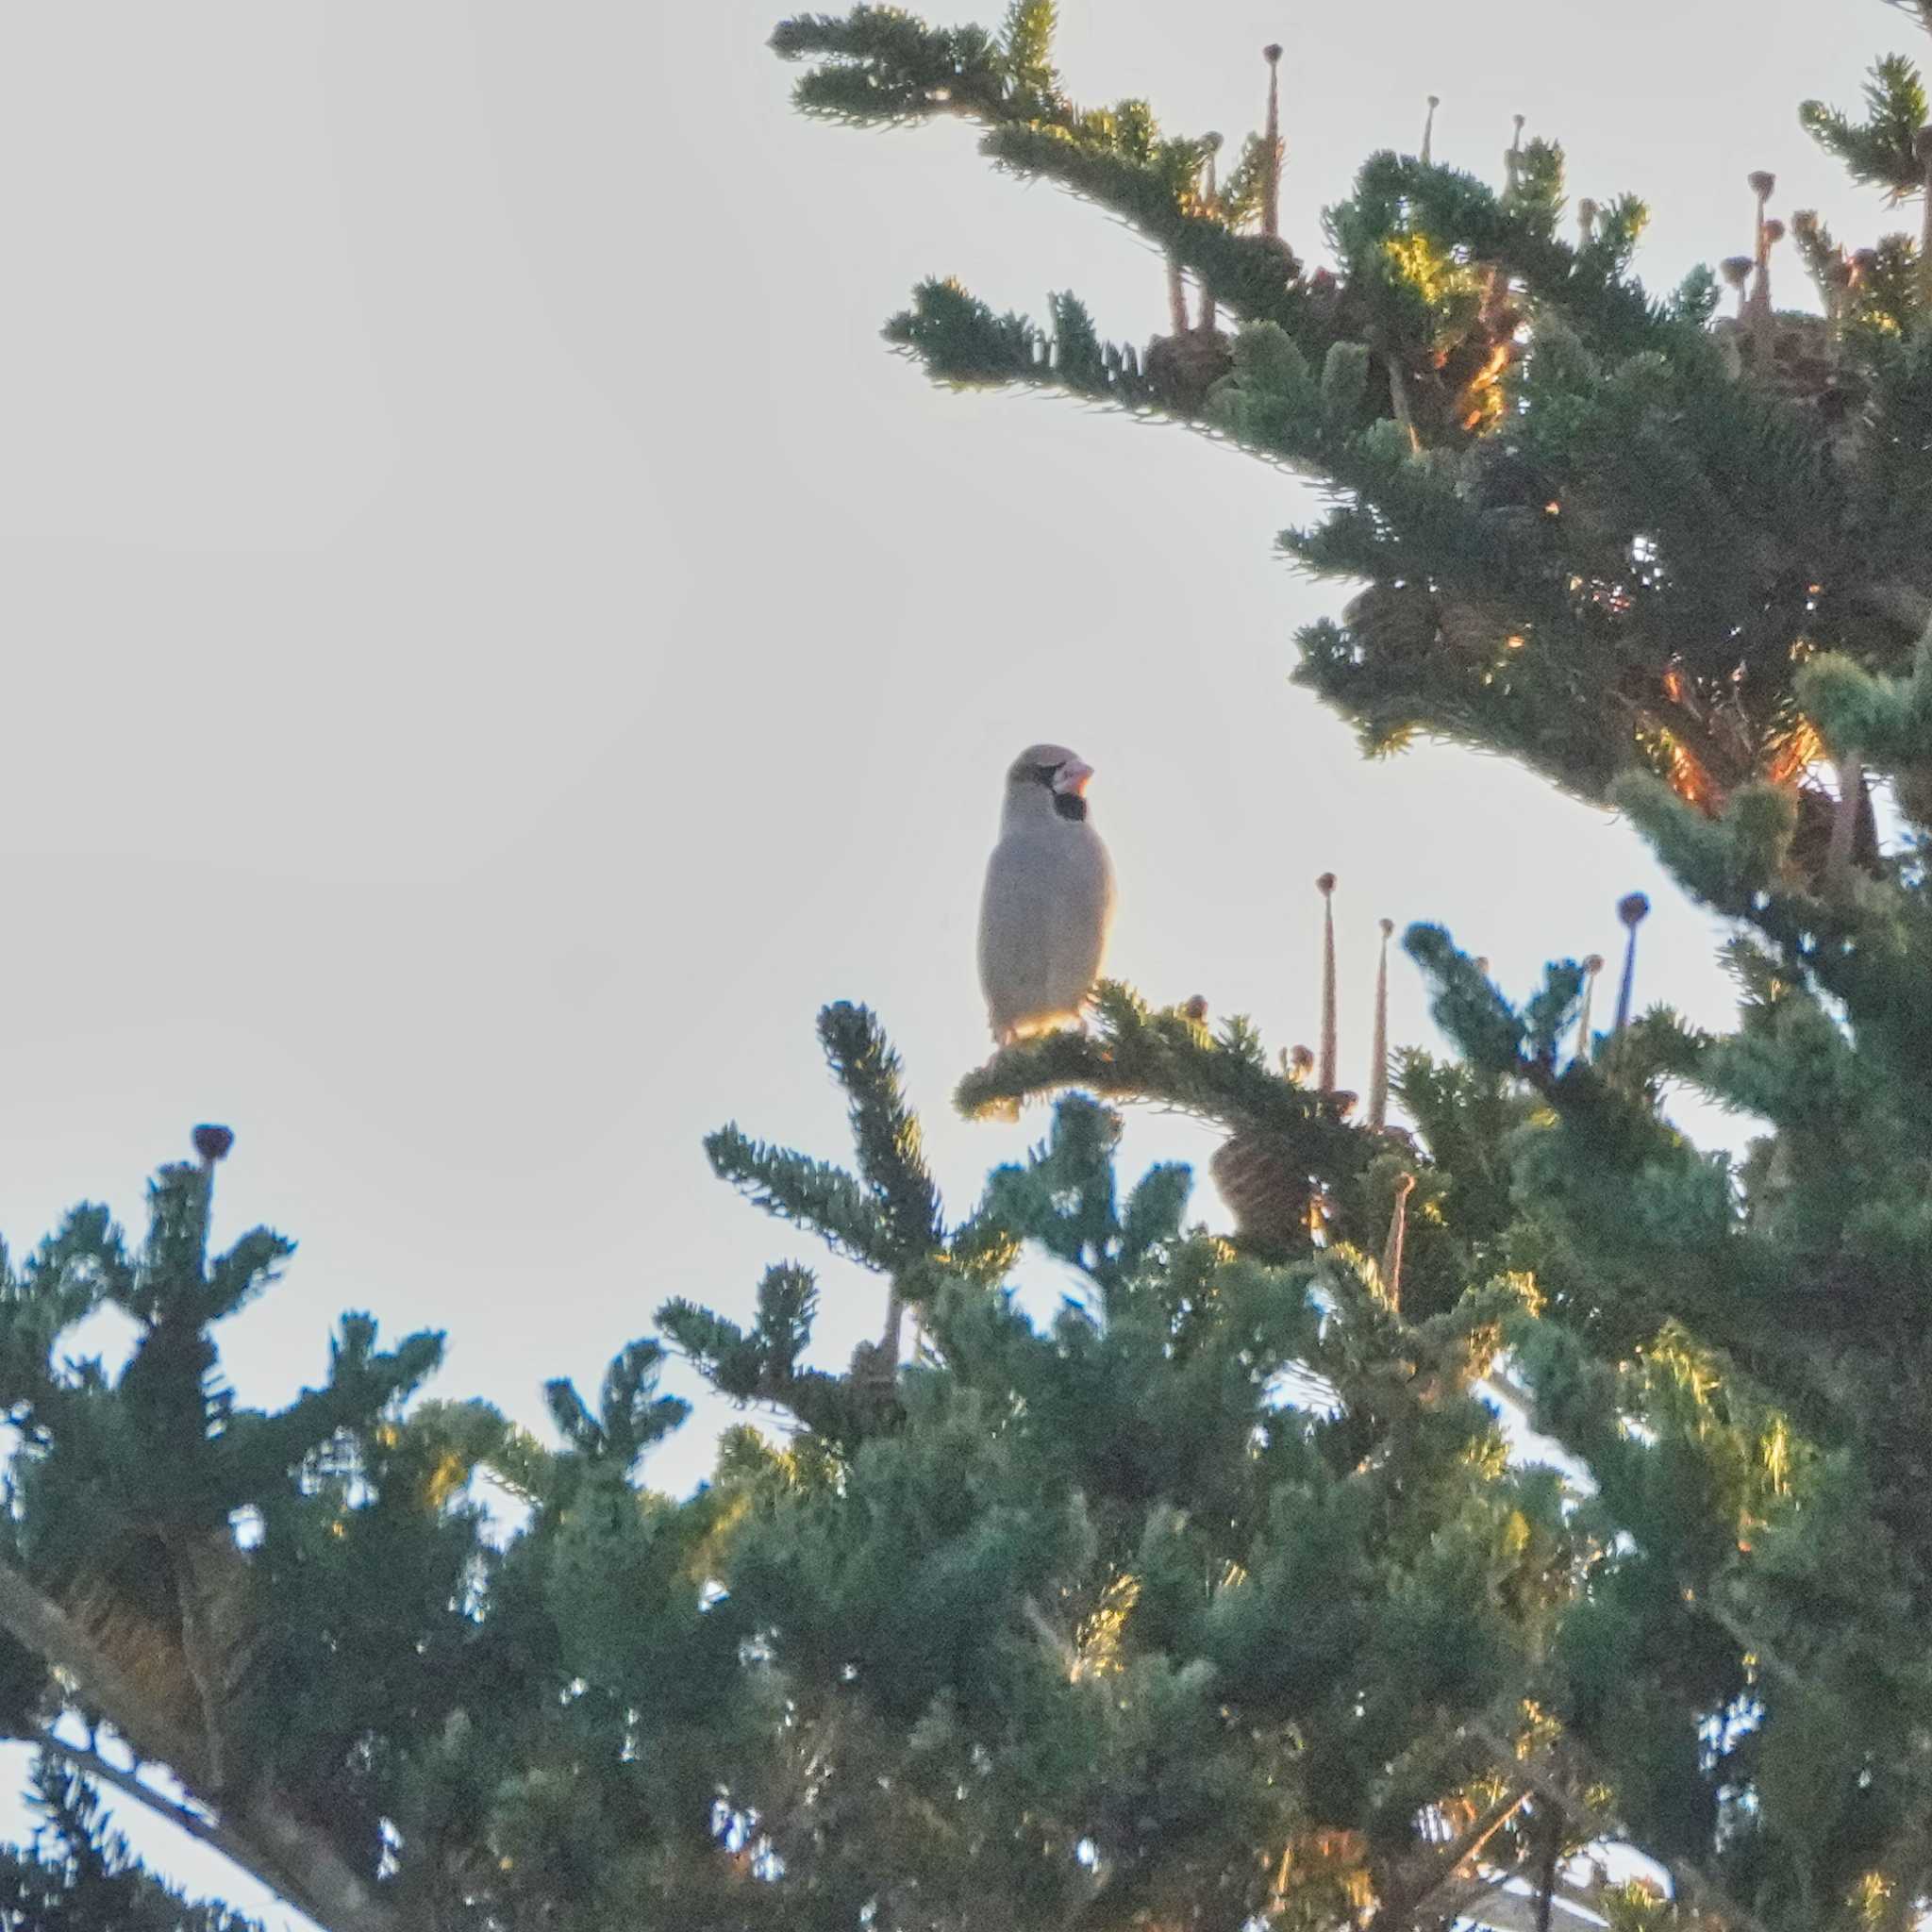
x,y
77,1875
1213,1596
1094,1626
368,1700
1678,564
1597,530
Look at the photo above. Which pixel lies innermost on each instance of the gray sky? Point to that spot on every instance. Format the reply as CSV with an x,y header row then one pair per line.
x,y
495,640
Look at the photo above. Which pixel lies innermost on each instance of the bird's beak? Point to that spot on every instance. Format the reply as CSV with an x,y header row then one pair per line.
x,y
1070,781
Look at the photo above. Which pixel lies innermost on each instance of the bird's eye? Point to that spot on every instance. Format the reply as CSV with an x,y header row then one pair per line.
x,y
1045,775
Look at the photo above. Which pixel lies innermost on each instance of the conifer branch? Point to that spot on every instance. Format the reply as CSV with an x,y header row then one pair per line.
x,y
810,1193
1138,1052
258,1831
885,1130
1691,1878
1674,442
39,1624
1407,1907
208,1830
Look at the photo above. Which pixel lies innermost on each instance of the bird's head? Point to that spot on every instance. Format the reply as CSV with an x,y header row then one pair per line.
x,y
1047,776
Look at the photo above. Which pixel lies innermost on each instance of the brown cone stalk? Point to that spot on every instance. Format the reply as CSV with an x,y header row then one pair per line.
x,y
1379,1071
1632,909
1324,1078
1763,184
1392,1248
1845,823
1177,296
1922,149
1737,272
1270,160
1210,200
1591,967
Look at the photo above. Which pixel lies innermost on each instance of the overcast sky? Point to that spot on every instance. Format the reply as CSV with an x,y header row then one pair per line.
x,y
495,642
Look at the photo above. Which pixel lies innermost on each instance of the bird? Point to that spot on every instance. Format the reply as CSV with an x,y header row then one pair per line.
x,y
1049,898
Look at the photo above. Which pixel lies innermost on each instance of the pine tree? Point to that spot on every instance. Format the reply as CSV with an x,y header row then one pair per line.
x,y
1598,528
1216,1598
1088,1624
383,1710
77,1875
1677,562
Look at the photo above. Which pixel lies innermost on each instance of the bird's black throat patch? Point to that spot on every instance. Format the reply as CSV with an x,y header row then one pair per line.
x,y
1069,805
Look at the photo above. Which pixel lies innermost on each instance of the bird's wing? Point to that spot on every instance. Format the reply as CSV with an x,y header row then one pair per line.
x,y
1015,915
1086,903
1044,924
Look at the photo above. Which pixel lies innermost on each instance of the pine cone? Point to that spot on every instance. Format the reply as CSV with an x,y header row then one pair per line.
x,y
1184,368
1811,840
1269,1193
870,1367
1390,619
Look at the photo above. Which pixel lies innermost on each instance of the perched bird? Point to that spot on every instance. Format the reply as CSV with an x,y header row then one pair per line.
x,y
1048,901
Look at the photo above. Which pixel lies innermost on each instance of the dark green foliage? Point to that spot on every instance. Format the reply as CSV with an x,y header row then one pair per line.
x,y
1671,562
79,1876
1096,1584
631,1415
305,1615
1600,532
1766,1328
1210,1593
1879,149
